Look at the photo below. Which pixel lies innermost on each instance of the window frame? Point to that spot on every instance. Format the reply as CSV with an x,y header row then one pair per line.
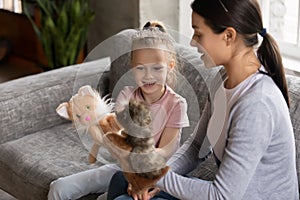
x,y
287,49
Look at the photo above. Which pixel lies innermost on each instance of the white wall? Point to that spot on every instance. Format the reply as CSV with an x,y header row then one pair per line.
x,y
166,11
185,22
175,14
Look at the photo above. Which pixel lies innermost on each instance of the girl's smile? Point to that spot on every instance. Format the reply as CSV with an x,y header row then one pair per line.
x,y
147,84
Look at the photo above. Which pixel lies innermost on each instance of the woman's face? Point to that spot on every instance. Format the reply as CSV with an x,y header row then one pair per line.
x,y
210,45
150,69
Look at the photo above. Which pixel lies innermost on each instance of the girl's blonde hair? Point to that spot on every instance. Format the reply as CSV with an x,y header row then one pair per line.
x,y
154,35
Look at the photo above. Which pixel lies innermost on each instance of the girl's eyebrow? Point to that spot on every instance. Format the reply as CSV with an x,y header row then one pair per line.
x,y
139,64
145,64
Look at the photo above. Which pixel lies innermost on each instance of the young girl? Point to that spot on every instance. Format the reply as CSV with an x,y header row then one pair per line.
x,y
252,136
153,65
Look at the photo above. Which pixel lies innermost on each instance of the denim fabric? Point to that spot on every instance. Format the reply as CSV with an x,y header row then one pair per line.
x,y
118,189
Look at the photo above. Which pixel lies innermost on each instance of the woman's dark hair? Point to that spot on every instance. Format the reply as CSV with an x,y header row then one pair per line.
x,y
245,17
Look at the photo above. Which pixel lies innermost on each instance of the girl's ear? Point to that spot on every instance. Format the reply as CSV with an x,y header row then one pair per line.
x,y
229,35
172,63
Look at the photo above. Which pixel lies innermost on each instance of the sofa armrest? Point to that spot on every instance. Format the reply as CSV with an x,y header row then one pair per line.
x,y
28,104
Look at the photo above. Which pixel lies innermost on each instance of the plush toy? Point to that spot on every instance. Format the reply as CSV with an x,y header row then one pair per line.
x,y
86,109
142,165
136,122
135,151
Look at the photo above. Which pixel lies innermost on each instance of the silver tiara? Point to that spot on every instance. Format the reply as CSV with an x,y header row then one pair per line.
x,y
152,33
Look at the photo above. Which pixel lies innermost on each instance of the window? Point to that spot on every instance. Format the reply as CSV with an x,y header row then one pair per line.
x,y
11,5
282,19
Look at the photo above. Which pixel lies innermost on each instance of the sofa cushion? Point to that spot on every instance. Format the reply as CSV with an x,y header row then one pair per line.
x,y
33,161
294,92
206,170
28,104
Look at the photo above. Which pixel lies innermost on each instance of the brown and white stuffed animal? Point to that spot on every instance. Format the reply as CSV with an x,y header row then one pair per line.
x,y
136,121
87,109
141,163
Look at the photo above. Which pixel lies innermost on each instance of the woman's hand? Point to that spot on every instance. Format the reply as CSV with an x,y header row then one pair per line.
x,y
144,196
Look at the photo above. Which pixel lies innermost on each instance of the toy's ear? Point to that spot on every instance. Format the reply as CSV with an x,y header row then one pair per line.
x,y
86,90
62,110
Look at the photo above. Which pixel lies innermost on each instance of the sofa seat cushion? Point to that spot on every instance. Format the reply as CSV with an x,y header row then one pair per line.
x,y
33,161
206,170
293,87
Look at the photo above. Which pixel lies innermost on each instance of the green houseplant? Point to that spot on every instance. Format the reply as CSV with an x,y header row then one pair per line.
x,y
62,29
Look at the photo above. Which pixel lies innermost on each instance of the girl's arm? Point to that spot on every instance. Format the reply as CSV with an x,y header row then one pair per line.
x,y
168,143
187,157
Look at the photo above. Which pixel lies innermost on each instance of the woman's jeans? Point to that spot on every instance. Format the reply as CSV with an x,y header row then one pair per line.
x,y
118,189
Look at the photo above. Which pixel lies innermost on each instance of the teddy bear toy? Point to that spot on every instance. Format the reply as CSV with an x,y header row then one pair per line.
x,y
126,134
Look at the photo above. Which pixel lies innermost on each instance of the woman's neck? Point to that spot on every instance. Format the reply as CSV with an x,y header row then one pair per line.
x,y
240,67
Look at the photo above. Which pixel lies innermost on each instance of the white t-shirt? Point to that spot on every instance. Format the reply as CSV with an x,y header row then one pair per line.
x,y
223,101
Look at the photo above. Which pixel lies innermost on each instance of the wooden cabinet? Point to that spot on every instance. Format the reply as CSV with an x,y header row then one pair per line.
x,y
25,46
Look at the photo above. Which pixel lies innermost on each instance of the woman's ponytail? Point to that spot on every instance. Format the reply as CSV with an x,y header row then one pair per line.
x,y
269,55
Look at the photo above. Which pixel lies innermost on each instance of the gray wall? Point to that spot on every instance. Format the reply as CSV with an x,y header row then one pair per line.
x,y
113,16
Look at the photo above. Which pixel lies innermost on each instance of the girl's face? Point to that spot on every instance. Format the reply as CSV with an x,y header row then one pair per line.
x,y
150,69
212,46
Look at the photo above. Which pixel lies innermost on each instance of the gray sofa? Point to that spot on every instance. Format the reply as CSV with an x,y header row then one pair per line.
x,y
37,146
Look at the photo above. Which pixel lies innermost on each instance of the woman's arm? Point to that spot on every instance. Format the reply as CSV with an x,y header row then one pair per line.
x,y
249,137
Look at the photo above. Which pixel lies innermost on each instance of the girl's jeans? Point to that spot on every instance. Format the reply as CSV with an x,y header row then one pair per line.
x,y
118,189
